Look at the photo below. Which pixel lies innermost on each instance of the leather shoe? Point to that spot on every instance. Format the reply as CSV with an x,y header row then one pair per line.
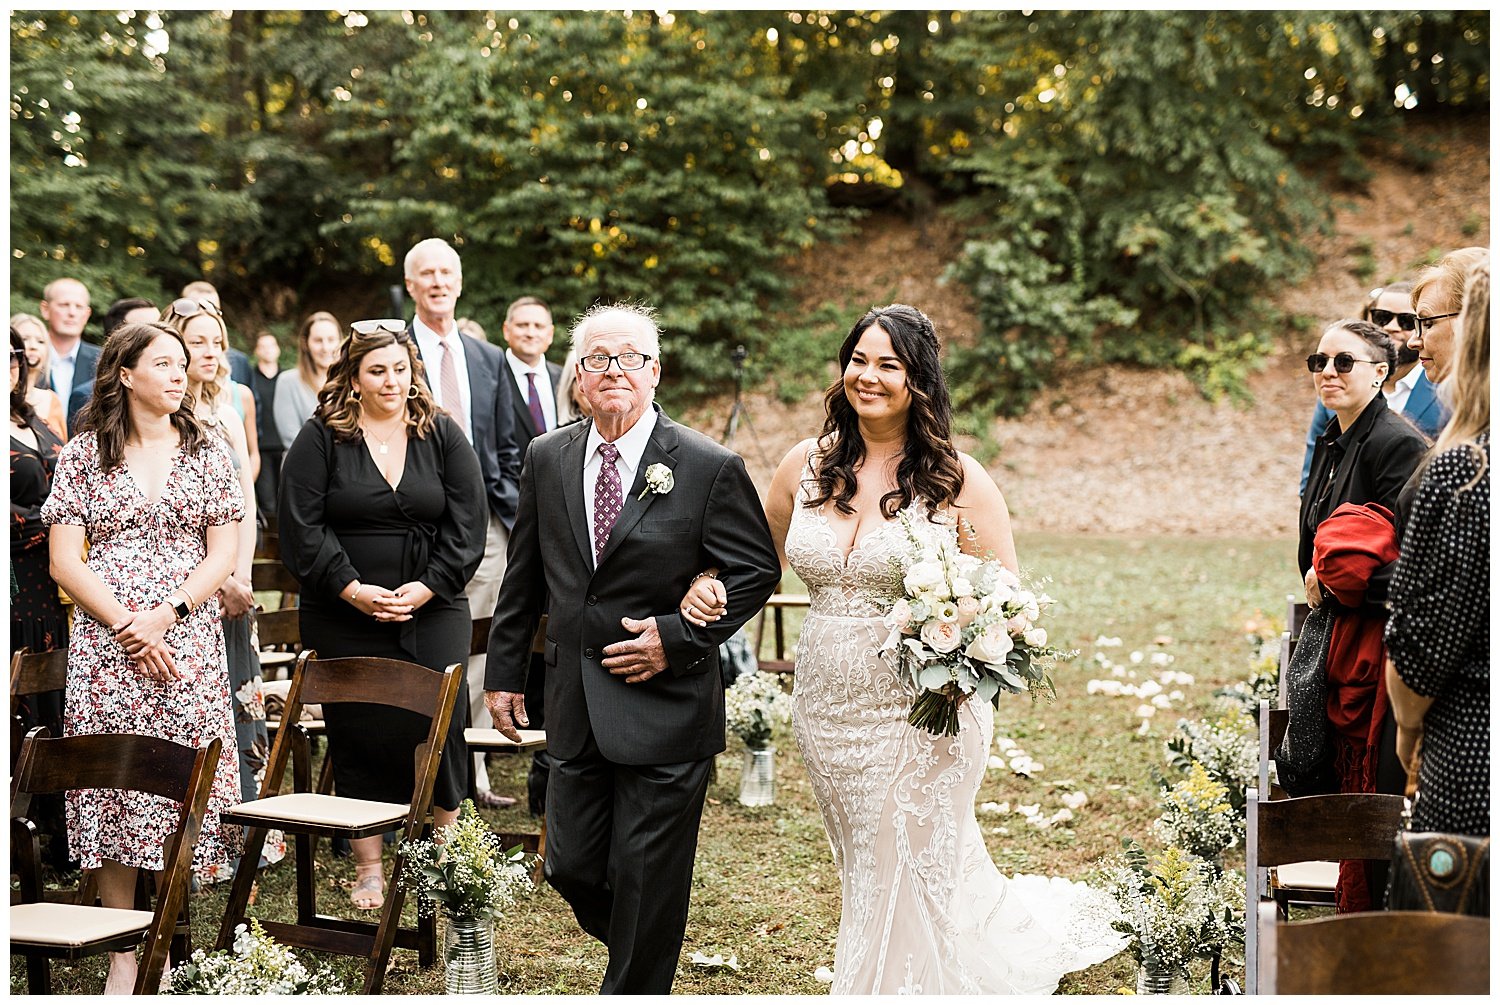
x,y
492,801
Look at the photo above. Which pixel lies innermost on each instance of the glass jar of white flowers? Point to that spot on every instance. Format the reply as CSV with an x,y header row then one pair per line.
x,y
752,705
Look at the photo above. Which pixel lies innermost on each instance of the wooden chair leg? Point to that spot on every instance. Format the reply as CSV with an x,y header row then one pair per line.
x,y
385,934
307,893
240,886
38,975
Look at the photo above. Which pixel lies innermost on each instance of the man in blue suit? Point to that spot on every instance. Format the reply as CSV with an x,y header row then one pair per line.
x,y
472,382
65,309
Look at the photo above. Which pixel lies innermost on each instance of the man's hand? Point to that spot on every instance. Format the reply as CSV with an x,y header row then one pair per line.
x,y
638,659
508,711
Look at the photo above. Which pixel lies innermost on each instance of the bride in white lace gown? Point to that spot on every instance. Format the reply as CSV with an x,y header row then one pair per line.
x,y
924,909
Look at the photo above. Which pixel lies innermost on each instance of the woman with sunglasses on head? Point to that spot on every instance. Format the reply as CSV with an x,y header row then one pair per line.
x,y
383,517
296,398
206,338
1344,554
1407,389
1438,634
156,498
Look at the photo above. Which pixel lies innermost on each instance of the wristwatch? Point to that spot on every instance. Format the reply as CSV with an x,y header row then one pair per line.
x,y
180,608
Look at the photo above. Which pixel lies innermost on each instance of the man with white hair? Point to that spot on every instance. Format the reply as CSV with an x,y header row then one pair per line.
x,y
617,516
472,382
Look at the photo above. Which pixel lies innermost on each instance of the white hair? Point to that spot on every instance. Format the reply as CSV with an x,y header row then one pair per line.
x,y
423,247
638,317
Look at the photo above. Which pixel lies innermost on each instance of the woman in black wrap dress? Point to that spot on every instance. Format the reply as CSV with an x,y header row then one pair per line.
x,y
382,521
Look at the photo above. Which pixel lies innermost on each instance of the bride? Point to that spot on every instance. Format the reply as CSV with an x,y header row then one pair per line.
x,y
924,909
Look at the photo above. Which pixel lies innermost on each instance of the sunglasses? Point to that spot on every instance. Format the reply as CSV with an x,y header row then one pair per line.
x,y
1406,319
393,326
187,307
1343,362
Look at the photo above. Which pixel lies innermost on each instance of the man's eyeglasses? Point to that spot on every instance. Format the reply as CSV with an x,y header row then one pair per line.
x,y
1405,319
188,307
1343,362
598,362
393,326
1425,324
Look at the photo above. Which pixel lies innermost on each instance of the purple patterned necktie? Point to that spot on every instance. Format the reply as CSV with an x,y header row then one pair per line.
x,y
607,497
534,402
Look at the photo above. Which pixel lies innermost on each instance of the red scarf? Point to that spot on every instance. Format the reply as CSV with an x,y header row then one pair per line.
x,y
1350,546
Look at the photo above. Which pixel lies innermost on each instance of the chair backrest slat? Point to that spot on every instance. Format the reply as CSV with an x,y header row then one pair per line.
x,y
270,576
36,673
1377,952
1326,828
372,680
105,761
278,628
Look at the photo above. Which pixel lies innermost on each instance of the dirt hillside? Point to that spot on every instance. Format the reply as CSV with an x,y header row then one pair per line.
x,y
1124,451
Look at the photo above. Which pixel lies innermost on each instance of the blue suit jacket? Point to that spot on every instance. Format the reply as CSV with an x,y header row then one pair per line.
x,y
1424,409
83,380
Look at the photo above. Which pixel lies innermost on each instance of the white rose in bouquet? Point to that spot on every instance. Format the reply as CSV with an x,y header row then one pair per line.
x,y
942,636
968,610
1018,623
926,577
962,587
991,645
1036,637
899,618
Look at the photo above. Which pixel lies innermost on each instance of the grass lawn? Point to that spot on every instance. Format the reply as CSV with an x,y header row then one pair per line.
x,y
765,890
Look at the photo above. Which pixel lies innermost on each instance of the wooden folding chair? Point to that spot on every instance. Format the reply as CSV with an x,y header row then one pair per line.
x,y
1320,829
1272,723
34,673
270,576
1373,952
775,607
279,636
42,931
307,814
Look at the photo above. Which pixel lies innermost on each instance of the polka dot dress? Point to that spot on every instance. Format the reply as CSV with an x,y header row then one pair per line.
x,y
1438,636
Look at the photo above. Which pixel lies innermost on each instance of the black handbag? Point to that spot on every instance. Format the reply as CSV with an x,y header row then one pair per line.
x,y
1446,873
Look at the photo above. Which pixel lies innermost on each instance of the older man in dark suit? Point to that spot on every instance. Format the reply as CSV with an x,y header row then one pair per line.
x,y
471,381
617,517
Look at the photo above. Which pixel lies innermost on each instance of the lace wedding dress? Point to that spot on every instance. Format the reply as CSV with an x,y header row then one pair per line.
x,y
925,910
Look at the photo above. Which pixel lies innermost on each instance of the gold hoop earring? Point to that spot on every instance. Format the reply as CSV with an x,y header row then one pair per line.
x,y
411,392
355,395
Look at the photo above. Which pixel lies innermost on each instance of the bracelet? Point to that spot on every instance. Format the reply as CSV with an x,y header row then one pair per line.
x,y
188,596
355,596
700,576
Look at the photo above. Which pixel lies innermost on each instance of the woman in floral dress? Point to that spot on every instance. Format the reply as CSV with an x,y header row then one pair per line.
x,y
156,499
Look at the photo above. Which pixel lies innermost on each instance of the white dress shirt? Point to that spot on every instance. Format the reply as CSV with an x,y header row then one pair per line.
x,y
63,368
631,446
429,342
543,387
1397,396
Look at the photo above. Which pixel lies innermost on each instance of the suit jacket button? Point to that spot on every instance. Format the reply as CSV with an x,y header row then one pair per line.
x,y
593,600
588,654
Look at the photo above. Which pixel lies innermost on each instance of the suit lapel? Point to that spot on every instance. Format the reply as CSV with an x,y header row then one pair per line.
x,y
661,449
481,385
573,498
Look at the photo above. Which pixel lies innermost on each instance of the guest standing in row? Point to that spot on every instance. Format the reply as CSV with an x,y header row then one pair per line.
x,y
135,310
1438,635
272,450
156,499
382,522
318,340
38,391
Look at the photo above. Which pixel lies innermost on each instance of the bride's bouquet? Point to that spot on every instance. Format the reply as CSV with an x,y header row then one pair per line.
x,y
965,626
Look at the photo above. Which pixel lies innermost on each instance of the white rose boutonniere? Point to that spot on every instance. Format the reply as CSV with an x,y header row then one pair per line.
x,y
658,481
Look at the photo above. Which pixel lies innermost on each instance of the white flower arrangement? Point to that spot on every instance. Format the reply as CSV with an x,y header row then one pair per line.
x,y
658,480
1173,908
467,874
1230,755
753,704
966,626
1196,815
257,965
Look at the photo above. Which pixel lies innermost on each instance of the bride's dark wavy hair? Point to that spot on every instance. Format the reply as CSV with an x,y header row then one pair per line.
x,y
930,468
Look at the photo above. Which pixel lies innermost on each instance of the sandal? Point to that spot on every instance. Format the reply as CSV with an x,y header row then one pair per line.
x,y
368,893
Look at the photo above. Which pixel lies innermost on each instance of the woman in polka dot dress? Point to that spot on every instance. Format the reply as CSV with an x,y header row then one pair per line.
x,y
1438,635
156,499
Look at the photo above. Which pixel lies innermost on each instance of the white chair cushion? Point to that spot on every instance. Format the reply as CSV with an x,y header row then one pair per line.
x,y
71,924
1306,875
493,739
315,808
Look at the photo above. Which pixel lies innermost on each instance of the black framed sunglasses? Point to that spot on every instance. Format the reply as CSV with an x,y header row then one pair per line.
x,y
1343,362
1406,319
1423,324
187,307
393,326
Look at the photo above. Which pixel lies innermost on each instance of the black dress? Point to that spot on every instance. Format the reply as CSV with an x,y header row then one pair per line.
x,y
38,619
341,521
1438,636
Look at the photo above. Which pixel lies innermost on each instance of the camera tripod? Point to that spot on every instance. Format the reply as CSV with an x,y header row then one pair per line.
x,y
739,411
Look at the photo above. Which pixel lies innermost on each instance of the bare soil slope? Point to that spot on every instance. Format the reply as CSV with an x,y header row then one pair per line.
x,y
1125,451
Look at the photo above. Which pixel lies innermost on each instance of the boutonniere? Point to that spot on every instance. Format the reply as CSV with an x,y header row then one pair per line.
x,y
658,480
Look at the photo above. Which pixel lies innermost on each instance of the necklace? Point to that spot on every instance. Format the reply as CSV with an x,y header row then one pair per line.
x,y
384,449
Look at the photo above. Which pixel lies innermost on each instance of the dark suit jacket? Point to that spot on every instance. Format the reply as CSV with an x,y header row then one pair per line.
x,y
78,394
525,428
1368,464
711,517
490,415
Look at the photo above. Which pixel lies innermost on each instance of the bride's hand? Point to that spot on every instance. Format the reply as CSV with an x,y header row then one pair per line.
x,y
705,601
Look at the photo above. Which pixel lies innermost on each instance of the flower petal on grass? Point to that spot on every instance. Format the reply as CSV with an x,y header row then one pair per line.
x,y
823,975
716,960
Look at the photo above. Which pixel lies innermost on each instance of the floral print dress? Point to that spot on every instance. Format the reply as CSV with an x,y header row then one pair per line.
x,y
143,550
